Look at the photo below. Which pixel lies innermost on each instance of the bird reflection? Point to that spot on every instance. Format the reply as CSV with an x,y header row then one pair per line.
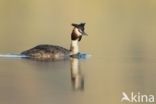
x,y
77,78
73,64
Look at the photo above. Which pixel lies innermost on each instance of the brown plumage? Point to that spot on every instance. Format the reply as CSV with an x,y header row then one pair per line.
x,y
45,52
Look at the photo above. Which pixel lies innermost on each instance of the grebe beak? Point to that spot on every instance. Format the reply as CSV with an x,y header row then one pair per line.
x,y
85,34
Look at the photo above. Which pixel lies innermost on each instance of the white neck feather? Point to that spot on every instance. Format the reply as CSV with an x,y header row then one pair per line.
x,y
74,48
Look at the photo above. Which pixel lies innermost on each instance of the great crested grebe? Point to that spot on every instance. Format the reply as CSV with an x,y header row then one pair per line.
x,y
54,52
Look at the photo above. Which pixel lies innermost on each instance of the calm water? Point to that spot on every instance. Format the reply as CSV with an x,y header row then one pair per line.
x,y
88,81
121,41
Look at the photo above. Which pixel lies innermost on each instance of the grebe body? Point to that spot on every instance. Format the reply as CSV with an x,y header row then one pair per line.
x,y
54,52
47,52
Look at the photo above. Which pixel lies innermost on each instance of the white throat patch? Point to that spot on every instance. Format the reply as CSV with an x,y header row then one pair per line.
x,y
77,31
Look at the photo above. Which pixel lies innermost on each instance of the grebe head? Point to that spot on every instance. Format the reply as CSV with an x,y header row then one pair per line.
x,y
78,31
76,36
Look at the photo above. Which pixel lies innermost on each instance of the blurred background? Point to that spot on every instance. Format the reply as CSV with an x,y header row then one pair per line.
x,y
121,41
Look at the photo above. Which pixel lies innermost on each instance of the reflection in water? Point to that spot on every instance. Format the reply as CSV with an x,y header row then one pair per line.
x,y
77,78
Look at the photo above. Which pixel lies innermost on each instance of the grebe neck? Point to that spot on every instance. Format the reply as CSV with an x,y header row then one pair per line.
x,y
74,48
